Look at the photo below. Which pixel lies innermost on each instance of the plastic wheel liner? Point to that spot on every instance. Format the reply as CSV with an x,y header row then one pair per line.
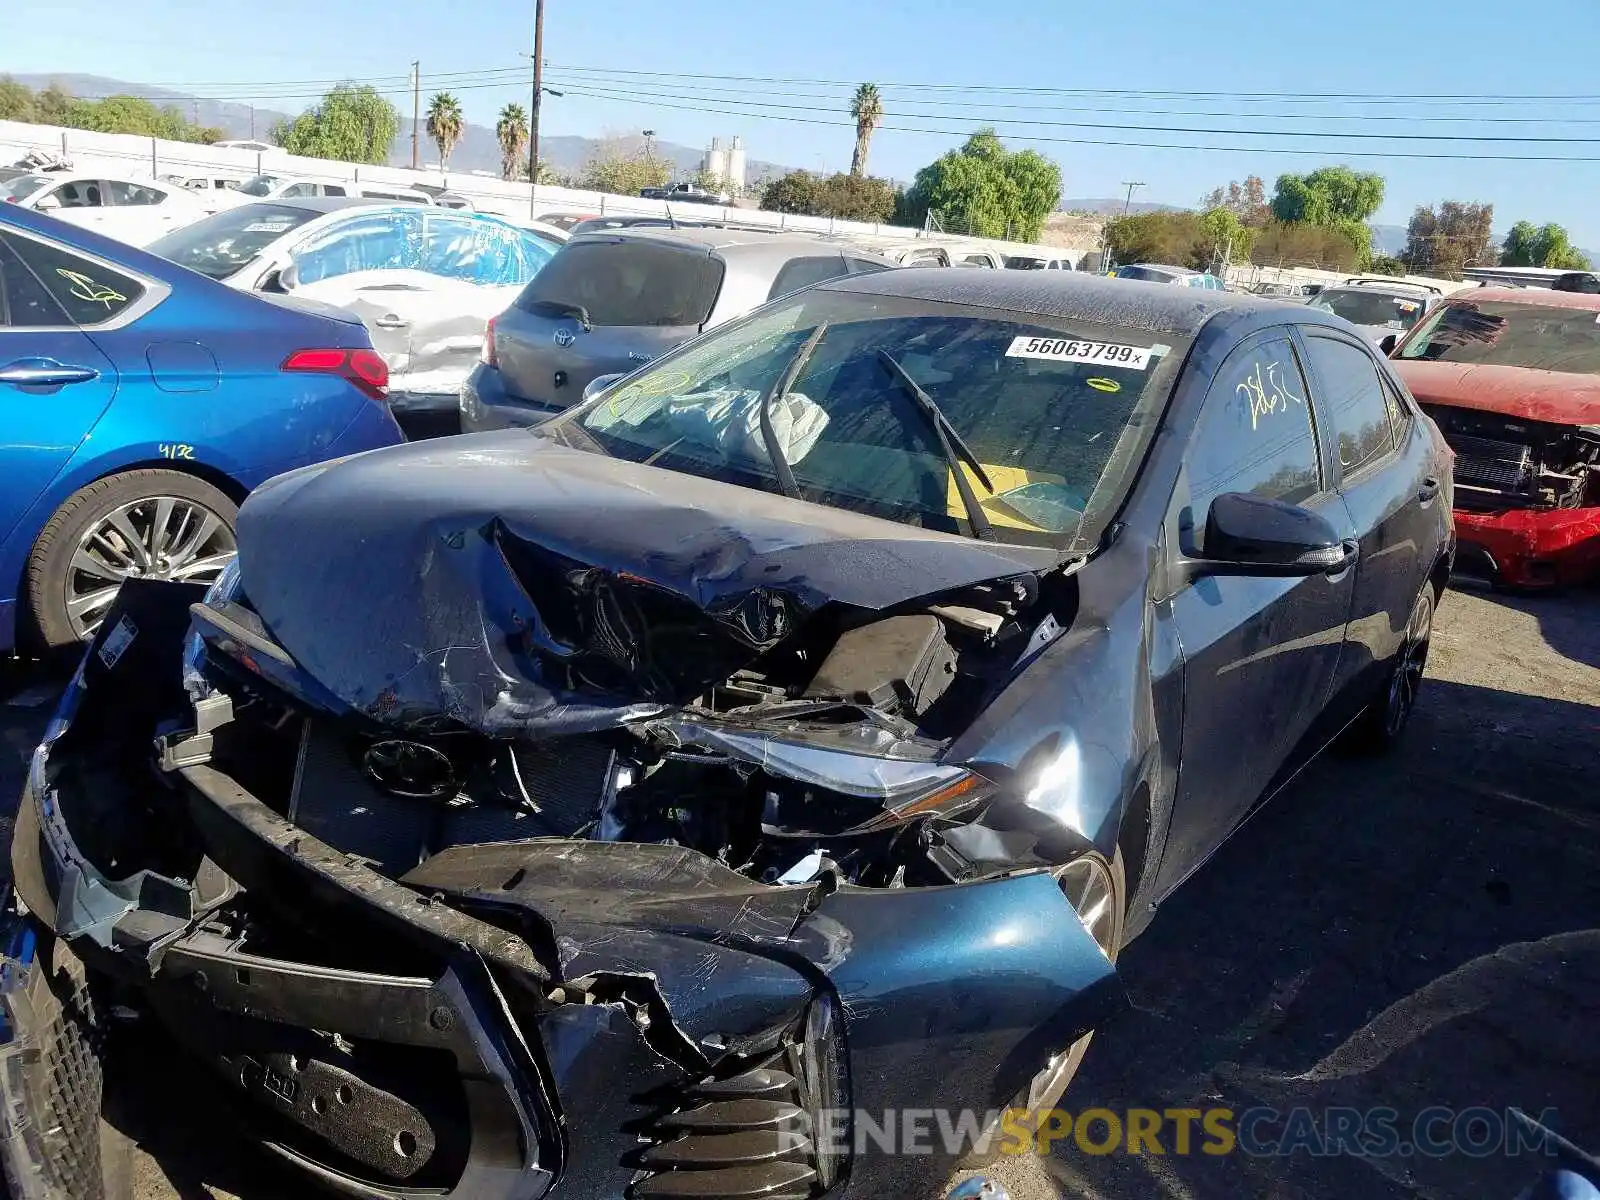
x,y
614,1018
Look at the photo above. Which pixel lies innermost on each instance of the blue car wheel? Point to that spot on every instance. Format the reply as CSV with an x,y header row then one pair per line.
x,y
146,524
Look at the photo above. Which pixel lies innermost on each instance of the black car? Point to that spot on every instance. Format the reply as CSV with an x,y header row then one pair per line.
x,y
792,732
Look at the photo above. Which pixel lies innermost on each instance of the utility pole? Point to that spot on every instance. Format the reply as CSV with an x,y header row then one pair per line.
x,y
1128,203
416,109
252,122
533,115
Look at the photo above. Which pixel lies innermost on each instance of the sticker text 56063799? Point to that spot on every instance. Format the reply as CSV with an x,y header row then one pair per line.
x,y
1111,354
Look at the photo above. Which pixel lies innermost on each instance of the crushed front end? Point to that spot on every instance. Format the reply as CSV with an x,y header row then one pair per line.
x,y
1527,495
593,964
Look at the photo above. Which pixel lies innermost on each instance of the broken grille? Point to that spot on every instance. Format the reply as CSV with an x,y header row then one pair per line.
x,y
744,1135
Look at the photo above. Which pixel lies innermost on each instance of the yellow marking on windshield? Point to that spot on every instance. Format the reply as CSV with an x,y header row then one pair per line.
x,y
85,288
1104,385
1005,479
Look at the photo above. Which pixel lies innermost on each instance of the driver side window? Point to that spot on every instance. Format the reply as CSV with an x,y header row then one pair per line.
x,y
1254,435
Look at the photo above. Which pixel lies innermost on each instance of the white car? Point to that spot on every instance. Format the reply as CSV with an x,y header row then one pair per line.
x,y
424,280
135,211
273,186
207,183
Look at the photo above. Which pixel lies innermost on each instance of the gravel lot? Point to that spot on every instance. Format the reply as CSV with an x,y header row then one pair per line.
x,y
1405,932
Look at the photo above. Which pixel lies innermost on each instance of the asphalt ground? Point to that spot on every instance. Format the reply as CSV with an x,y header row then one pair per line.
x,y
1415,933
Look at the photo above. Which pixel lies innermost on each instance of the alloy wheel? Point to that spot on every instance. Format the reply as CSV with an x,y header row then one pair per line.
x,y
1087,884
1406,679
156,537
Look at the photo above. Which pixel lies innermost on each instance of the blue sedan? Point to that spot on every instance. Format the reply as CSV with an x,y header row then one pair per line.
x,y
142,402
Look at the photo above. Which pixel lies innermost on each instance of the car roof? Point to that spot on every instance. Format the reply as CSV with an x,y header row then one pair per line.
x,y
703,237
321,204
1154,307
1162,267
1541,296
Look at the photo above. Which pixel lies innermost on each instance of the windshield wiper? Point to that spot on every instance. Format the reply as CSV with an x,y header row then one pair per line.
x,y
956,450
562,309
780,389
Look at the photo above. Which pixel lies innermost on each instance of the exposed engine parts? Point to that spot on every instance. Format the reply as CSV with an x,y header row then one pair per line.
x,y
1506,462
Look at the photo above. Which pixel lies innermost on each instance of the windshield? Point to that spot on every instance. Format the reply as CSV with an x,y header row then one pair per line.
x,y
260,185
1148,274
22,187
224,242
629,283
1371,308
1512,335
1057,412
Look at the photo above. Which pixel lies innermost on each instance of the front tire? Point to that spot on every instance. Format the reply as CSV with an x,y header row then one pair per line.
x,y
148,524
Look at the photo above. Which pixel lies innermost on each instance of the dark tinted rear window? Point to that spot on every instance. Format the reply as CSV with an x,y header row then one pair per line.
x,y
630,283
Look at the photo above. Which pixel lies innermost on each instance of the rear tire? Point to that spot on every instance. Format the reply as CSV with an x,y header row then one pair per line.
x,y
65,601
1380,728
60,1084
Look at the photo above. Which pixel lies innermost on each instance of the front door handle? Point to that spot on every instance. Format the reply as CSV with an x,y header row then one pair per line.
x,y
44,372
1429,489
390,321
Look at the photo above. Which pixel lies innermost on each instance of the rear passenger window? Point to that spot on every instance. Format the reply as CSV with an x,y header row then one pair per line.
x,y
1255,433
90,293
1354,400
803,272
332,189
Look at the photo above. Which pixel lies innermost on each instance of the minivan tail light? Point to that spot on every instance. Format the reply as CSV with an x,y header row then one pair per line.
x,y
363,367
487,356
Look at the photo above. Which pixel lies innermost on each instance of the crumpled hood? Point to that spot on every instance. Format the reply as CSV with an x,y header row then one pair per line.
x,y
1559,397
516,585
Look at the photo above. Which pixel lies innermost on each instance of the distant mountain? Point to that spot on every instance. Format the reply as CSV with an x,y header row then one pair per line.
x,y
478,150
1111,206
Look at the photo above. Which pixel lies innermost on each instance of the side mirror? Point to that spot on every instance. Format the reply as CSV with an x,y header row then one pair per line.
x,y
1251,535
47,204
289,278
1388,344
601,382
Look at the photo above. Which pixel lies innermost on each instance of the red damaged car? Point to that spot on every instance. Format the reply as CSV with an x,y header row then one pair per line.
x,y
1512,378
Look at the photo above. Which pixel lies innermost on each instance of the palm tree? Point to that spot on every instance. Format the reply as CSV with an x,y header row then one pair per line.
x,y
867,108
444,125
512,130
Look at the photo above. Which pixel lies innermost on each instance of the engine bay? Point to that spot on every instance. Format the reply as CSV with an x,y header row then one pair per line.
x,y
1510,462
881,693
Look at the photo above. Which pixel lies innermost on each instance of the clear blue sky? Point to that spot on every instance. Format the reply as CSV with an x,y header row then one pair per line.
x,y
1473,48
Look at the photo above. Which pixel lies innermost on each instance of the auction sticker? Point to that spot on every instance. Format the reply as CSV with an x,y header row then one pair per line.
x,y
1072,350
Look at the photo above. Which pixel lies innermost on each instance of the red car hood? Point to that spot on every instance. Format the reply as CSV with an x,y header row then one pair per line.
x,y
1554,396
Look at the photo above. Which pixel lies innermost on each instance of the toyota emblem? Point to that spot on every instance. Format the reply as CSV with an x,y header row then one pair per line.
x,y
414,770
565,337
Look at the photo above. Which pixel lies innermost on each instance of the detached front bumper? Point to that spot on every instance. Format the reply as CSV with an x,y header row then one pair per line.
x,y
1527,547
601,1019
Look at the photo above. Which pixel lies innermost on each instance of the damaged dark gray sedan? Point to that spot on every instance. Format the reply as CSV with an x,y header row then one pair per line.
x,y
788,735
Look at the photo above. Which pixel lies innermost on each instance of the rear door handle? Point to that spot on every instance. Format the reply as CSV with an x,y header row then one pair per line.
x,y
1429,489
390,321
44,372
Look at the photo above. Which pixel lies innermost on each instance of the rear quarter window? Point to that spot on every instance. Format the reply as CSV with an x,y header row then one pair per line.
x,y
89,292
803,272
630,283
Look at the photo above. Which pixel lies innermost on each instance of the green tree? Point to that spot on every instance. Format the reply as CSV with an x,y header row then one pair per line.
x,y
1530,245
354,124
796,192
1384,264
1442,242
986,190
445,125
16,100
50,105
1335,198
1224,239
866,107
1301,244
1247,201
615,168
511,130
